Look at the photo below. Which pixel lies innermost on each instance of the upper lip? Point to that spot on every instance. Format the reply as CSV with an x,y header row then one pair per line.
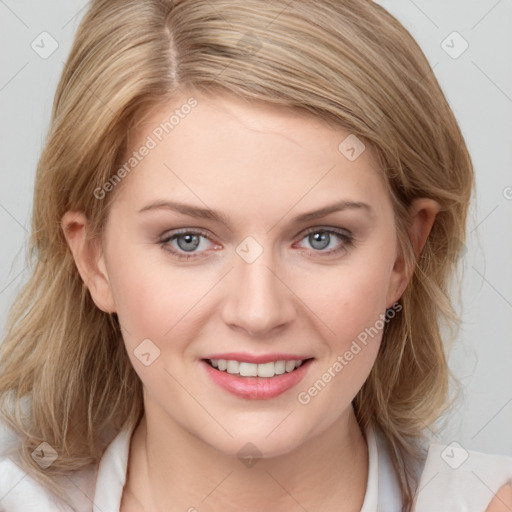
x,y
257,359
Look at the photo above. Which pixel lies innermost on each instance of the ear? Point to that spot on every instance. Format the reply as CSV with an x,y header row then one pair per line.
x,y
89,259
422,214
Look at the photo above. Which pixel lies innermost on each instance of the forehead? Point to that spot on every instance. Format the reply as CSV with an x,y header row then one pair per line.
x,y
227,147
214,117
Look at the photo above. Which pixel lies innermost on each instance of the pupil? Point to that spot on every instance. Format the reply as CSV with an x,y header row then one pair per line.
x,y
320,240
189,239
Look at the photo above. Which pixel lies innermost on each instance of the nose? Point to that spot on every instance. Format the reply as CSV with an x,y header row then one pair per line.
x,y
258,300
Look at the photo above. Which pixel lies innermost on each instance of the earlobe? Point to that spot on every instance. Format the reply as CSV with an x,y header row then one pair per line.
x,y
89,259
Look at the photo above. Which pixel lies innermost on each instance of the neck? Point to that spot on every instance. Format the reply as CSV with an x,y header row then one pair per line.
x,y
177,471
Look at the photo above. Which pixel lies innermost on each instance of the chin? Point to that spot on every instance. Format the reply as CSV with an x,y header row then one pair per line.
x,y
262,441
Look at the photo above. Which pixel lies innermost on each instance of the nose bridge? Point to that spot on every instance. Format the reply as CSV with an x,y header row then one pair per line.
x,y
257,300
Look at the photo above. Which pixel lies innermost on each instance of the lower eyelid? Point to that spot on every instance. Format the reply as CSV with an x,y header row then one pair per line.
x,y
345,238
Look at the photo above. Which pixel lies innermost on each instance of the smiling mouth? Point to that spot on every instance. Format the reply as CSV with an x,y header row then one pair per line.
x,y
264,370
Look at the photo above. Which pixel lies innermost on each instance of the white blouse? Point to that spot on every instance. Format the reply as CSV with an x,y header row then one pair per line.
x,y
452,480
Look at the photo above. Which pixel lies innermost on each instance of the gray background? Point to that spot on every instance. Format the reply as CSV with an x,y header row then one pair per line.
x,y
478,85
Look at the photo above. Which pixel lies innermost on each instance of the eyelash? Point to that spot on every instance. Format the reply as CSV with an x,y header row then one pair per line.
x,y
346,237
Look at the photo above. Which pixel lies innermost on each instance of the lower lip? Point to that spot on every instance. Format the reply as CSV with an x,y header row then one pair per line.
x,y
257,388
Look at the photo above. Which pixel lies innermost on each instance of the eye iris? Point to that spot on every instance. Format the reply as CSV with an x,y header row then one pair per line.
x,y
319,240
191,242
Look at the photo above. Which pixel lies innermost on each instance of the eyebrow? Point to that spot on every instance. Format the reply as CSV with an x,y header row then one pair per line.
x,y
206,213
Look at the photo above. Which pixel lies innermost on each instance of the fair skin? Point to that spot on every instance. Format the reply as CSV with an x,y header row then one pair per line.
x,y
502,502
261,167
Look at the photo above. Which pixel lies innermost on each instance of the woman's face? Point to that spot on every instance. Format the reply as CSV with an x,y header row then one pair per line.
x,y
302,266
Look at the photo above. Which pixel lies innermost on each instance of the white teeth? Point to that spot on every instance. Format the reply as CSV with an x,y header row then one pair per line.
x,y
248,370
279,367
255,370
290,365
266,370
233,366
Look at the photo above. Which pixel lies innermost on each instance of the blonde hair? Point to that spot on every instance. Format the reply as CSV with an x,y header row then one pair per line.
x,y
347,62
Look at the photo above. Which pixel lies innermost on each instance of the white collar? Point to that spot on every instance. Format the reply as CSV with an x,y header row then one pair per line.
x,y
111,475
382,491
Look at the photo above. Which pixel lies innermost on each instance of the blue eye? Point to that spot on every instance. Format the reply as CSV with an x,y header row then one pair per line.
x,y
187,244
321,238
187,241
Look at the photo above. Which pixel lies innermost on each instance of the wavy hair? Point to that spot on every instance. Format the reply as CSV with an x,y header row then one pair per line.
x,y
349,63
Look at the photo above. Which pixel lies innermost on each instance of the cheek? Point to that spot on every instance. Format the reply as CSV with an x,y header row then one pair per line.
x,y
157,301
347,299
352,302
153,298
353,307
149,300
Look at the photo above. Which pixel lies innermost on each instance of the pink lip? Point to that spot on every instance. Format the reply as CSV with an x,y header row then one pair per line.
x,y
257,359
256,388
